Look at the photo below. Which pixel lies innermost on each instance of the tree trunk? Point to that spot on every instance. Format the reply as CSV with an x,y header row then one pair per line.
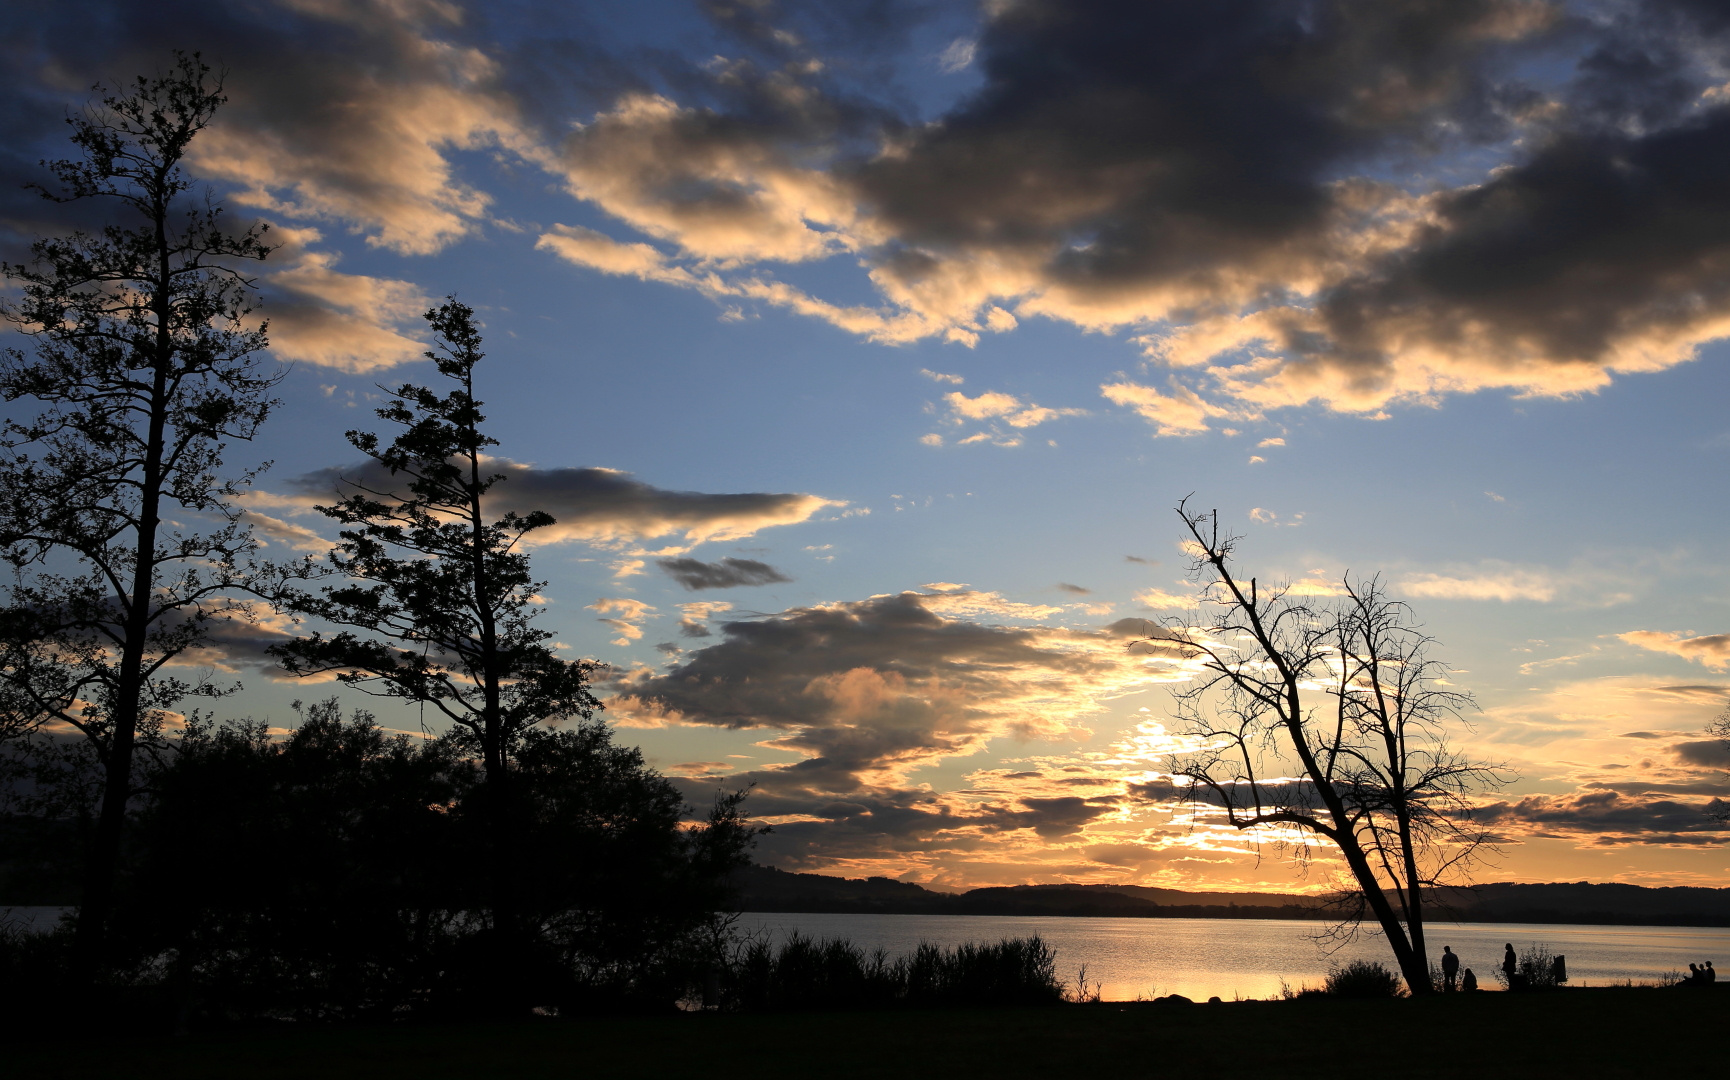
x,y
102,865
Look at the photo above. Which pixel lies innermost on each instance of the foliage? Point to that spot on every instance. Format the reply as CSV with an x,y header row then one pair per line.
x,y
144,369
442,595
1344,698
807,973
329,874
1536,967
444,602
1363,979
30,961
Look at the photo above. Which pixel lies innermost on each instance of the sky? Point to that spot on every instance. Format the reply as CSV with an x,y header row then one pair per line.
x,y
863,349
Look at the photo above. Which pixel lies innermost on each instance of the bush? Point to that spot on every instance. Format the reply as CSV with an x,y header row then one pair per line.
x,y
1536,968
332,874
1364,979
806,973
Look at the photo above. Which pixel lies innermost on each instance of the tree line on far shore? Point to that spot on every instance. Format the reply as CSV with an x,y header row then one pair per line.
x,y
520,859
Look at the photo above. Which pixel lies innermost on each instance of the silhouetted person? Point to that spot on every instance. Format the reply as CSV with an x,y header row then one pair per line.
x,y
1695,976
1469,983
1559,970
1450,969
1511,963
1711,972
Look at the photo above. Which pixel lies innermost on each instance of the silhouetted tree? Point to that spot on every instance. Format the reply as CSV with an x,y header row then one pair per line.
x,y
441,593
309,873
144,367
625,894
1344,698
321,873
1719,728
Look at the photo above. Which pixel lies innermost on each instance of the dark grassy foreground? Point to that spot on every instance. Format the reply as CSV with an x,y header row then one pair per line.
x,y
1571,1033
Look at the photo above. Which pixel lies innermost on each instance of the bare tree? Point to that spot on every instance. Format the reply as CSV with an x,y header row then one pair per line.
x,y
1719,728
1329,722
144,367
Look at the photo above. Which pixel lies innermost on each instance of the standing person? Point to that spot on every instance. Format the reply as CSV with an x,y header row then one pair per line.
x,y
1511,967
1450,969
1711,972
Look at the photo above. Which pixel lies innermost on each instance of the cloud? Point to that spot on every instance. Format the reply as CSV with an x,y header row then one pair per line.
x,y
350,322
1503,584
1180,412
697,614
357,125
1160,599
1606,818
1710,650
1214,180
1005,416
1709,753
727,574
349,113
939,377
594,505
994,405
1350,205
631,615
864,693
957,56
867,690
720,191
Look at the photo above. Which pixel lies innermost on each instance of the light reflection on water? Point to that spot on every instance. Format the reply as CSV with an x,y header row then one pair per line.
x,y
1243,958
1247,958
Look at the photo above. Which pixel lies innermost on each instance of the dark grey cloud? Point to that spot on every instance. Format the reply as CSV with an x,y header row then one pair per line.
x,y
1711,753
1230,164
597,504
1607,818
869,685
728,573
1399,197
1600,243
1075,589
1123,143
868,690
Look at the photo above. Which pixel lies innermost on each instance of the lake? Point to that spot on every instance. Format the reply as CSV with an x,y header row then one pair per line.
x,y
1247,958
1232,958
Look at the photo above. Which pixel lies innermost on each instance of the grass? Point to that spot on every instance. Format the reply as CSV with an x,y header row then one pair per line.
x,y
1591,1032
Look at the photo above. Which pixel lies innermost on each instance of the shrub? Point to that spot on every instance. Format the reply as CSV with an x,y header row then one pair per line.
x,y
807,973
1536,967
1363,979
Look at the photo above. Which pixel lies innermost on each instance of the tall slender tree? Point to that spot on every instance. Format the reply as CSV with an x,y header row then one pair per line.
x,y
441,602
1330,720
144,367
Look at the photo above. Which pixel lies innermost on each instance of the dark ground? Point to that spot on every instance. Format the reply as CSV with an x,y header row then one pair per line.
x,y
1571,1033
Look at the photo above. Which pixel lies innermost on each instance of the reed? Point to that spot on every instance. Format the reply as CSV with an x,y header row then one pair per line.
x,y
834,973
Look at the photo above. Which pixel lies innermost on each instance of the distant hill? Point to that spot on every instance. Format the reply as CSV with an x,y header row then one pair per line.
x,y
763,888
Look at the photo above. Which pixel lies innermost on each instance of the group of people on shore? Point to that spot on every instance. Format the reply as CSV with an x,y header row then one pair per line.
x,y
1454,979
1700,975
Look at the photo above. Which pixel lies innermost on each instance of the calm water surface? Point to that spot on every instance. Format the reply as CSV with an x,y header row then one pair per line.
x,y
1247,958
1244,958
